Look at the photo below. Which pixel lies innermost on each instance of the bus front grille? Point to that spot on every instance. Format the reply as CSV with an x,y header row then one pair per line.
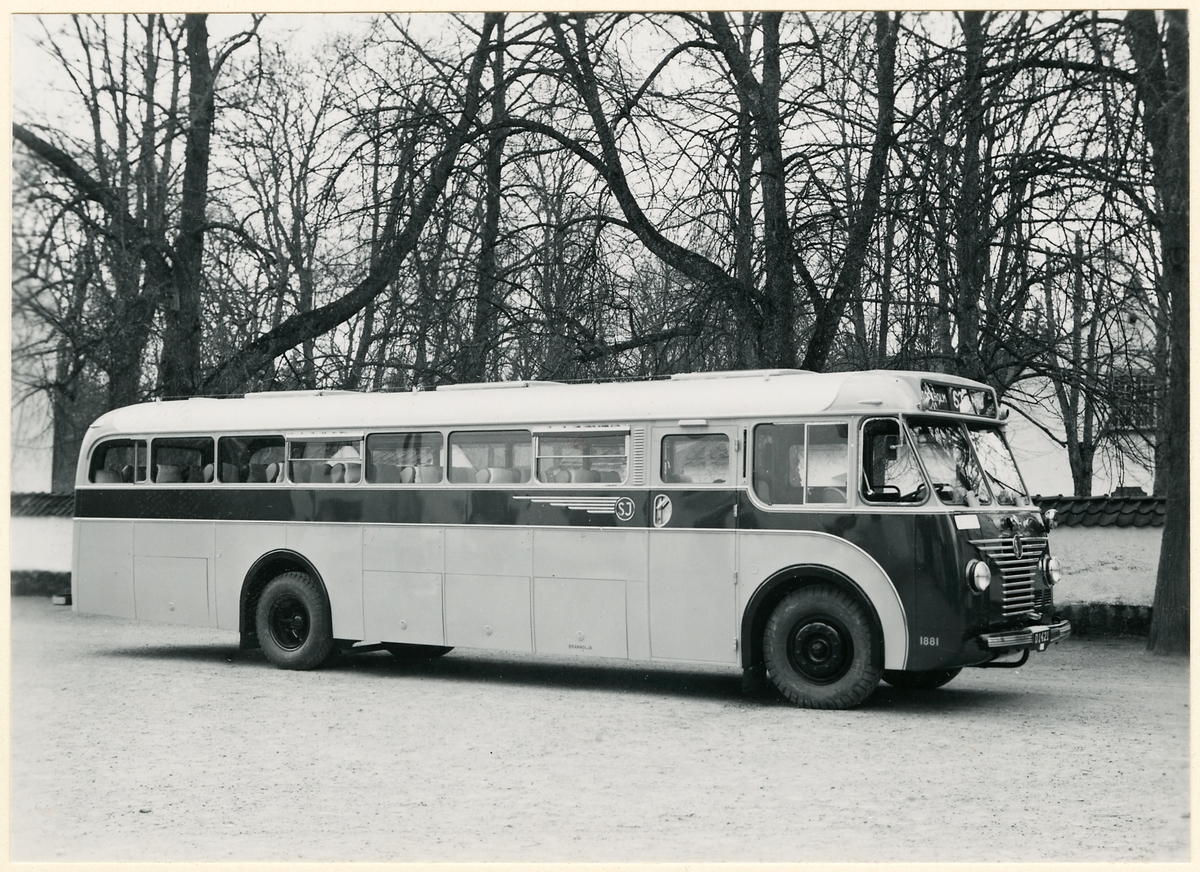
x,y
1016,572
1044,601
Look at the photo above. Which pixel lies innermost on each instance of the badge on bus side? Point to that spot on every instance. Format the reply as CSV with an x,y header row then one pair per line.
x,y
662,510
624,509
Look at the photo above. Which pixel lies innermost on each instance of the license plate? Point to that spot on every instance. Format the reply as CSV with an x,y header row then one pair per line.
x,y
1041,637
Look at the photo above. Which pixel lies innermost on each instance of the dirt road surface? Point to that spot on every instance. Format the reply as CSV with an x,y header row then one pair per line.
x,y
149,742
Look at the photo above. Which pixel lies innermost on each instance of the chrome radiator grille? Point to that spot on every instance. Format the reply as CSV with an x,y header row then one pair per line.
x,y
1016,572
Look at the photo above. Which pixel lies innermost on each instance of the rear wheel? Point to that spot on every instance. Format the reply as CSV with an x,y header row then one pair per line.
x,y
416,652
820,649
920,680
293,622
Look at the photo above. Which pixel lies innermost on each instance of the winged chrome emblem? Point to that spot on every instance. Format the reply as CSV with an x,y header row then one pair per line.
x,y
591,505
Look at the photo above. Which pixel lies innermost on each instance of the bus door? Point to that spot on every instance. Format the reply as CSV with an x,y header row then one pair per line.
x,y
692,543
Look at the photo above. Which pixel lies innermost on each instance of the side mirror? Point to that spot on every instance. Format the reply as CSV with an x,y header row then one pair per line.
x,y
1050,516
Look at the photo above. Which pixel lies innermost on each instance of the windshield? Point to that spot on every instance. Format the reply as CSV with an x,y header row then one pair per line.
x,y
946,454
997,461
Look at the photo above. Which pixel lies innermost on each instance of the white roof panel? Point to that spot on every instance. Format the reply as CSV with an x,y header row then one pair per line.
x,y
768,394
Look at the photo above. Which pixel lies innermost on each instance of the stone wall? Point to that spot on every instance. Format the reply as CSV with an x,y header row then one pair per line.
x,y
40,555
40,543
1107,564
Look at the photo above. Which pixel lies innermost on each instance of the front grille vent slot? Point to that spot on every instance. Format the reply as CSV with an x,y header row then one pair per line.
x,y
1016,573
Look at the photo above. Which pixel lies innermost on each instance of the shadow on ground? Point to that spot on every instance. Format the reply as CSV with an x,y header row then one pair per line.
x,y
618,677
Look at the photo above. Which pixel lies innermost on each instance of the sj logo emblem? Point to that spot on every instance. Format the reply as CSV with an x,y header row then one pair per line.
x,y
624,509
662,510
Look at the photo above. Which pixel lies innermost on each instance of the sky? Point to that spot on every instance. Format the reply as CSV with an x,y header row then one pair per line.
x,y
35,78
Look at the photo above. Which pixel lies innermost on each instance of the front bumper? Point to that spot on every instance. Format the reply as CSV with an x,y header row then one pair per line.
x,y
1037,636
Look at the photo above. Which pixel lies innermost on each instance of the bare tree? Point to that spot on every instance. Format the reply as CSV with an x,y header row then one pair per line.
x,y
1161,58
97,224
397,240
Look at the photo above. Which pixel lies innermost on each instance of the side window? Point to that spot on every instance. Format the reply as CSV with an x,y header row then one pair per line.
x,y
828,462
778,476
404,458
325,461
798,464
491,456
184,460
582,458
890,472
118,461
699,459
250,459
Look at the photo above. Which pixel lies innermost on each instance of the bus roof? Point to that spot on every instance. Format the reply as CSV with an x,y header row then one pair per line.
x,y
710,397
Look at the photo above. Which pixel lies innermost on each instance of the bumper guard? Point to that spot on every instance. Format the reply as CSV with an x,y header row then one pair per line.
x,y
1037,636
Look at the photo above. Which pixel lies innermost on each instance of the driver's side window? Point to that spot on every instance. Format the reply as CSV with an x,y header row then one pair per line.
x,y
890,473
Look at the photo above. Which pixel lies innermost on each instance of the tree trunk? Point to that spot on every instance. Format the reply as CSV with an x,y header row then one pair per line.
x,y
71,404
971,232
746,353
1161,365
485,325
180,369
885,282
778,338
1162,87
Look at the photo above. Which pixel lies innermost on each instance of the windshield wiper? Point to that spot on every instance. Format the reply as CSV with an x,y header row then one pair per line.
x,y
1004,484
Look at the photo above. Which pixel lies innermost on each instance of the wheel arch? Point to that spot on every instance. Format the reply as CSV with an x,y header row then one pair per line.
x,y
890,627
267,567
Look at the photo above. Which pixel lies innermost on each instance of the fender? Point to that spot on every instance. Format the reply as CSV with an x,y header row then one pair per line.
x,y
827,557
260,573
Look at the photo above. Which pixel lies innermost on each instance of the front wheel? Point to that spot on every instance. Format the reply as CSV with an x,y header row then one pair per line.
x,y
820,649
293,622
920,680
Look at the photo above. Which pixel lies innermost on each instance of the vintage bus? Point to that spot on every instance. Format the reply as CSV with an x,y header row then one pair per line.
x,y
826,530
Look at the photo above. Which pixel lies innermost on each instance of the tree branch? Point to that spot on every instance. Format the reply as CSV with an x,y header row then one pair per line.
x,y
395,245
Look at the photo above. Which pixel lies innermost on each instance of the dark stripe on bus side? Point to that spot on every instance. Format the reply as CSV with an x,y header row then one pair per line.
x,y
694,509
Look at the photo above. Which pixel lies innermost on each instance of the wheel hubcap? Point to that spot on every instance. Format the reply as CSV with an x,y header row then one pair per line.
x,y
821,650
288,621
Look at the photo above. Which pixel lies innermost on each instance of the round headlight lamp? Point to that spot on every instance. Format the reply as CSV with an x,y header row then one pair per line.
x,y
979,575
1052,569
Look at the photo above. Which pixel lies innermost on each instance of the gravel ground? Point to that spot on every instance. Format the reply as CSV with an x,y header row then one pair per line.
x,y
135,741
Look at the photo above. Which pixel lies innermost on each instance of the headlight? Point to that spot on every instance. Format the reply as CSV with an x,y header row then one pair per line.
x,y
979,576
1051,569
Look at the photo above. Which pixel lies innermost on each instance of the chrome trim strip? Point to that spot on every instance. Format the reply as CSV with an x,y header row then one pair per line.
x,y
1023,638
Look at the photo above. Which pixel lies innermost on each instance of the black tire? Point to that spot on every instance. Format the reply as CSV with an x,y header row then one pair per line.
x,y
293,622
416,652
820,649
920,680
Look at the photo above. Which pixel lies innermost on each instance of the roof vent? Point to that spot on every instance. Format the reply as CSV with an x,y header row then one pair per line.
x,y
736,373
256,395
483,386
